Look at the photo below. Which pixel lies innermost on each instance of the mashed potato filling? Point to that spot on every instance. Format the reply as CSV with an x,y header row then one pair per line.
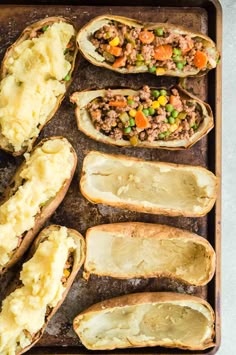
x,y
34,81
23,311
44,174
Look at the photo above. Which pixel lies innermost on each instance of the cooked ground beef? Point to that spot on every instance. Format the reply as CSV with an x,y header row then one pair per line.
x,y
125,46
150,115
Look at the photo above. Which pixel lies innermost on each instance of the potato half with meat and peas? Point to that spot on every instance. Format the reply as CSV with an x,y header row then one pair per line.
x,y
36,72
149,117
130,46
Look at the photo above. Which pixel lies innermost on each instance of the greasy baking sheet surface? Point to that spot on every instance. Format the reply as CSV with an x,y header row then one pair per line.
x,y
75,211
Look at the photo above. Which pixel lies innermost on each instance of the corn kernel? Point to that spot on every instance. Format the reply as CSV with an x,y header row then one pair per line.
x,y
114,42
160,71
132,113
155,104
133,140
114,124
66,273
173,127
162,100
130,97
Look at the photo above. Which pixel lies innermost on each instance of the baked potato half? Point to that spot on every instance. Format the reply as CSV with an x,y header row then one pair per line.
x,y
142,250
45,279
149,118
129,46
35,73
36,190
146,186
166,319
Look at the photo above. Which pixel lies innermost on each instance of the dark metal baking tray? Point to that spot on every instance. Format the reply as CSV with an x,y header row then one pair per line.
x,y
76,212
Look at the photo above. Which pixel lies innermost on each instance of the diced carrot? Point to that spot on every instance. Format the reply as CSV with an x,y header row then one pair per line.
x,y
200,60
146,37
116,51
189,46
118,103
119,62
175,101
69,45
141,120
163,52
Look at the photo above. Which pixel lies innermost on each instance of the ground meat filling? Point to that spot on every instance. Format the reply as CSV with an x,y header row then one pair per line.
x,y
159,49
151,115
67,269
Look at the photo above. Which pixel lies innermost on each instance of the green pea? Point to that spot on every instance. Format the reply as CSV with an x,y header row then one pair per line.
x,y
146,112
195,126
151,111
155,93
139,63
44,28
174,113
139,57
161,135
127,130
132,122
130,102
180,65
169,108
163,92
152,69
67,77
171,120
107,35
177,51
159,32
177,58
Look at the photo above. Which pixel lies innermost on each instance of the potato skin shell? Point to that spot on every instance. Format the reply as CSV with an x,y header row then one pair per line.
x,y
148,297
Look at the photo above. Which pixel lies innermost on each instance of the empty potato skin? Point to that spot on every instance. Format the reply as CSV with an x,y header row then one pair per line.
x,y
26,34
139,207
150,231
46,211
84,122
78,261
87,49
143,298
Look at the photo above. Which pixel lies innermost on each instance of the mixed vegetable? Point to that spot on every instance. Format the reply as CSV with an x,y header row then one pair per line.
x,y
150,115
160,49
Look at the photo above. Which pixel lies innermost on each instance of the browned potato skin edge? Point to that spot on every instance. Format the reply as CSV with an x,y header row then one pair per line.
x,y
152,210
151,227
148,297
3,72
184,93
46,211
71,278
147,26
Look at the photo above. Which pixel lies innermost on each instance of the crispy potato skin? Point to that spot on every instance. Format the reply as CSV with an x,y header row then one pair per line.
x,y
143,298
3,71
79,98
154,231
86,48
46,211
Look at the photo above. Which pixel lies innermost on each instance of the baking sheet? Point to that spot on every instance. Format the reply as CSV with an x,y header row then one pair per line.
x,y
75,211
